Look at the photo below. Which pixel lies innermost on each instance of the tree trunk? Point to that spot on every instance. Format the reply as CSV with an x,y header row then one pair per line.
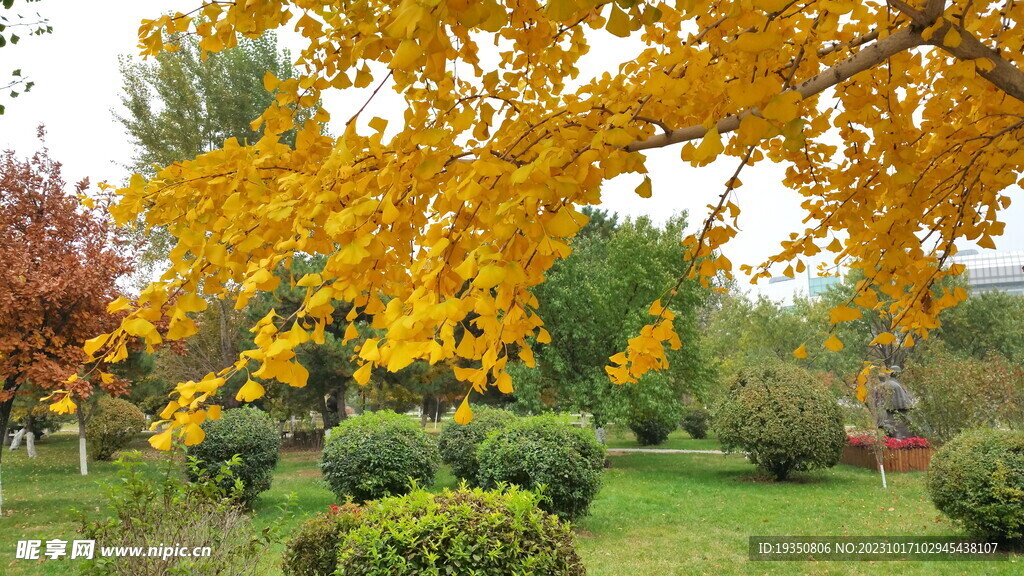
x,y
228,354
227,345
5,416
424,410
83,466
325,412
16,441
30,436
342,409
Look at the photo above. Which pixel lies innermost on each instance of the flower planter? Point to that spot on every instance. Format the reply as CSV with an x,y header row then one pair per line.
x,y
908,460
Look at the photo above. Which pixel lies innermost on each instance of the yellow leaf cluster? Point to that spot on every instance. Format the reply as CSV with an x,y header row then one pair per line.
x,y
900,136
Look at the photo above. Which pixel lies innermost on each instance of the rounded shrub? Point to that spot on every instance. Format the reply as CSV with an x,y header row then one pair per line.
x,y
543,451
696,421
459,532
113,426
313,551
253,436
652,430
977,479
782,419
458,443
376,454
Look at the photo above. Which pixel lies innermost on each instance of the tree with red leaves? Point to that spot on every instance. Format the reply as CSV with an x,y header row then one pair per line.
x,y
60,259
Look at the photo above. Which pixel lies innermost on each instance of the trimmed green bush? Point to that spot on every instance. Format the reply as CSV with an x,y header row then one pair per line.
x,y
977,479
376,454
458,443
459,532
653,430
783,419
313,551
251,434
696,421
112,427
543,451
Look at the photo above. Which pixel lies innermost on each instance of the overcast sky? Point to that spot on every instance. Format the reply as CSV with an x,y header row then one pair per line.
x,y
77,87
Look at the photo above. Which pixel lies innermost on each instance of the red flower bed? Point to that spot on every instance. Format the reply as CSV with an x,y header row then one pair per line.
x,y
904,455
867,441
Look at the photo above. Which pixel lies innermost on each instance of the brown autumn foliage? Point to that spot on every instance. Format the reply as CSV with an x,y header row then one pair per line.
x,y
60,261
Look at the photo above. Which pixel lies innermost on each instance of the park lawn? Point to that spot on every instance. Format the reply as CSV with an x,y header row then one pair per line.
x,y
657,514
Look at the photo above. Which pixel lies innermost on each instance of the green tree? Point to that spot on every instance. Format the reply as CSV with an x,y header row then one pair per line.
x,y
593,303
988,322
184,103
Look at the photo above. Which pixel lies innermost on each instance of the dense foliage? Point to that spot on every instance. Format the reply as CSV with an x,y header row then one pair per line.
x,y
654,429
782,418
248,433
977,479
595,300
113,426
545,451
458,443
378,454
956,393
486,533
696,421
313,549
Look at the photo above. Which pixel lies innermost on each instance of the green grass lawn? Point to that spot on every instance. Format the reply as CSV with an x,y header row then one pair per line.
x,y
657,514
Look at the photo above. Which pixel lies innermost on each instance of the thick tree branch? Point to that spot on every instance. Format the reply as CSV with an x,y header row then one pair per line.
x,y
1004,75
865,59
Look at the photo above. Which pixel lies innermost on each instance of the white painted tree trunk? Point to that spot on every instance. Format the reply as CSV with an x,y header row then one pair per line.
x,y
30,444
82,464
16,441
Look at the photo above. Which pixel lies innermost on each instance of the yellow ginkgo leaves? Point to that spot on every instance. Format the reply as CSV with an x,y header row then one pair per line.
x,y
63,406
447,221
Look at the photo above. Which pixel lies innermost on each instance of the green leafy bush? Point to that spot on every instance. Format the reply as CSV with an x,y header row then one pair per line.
x,y
977,479
376,454
956,394
313,551
458,443
164,512
696,421
112,427
251,434
459,532
782,419
653,430
543,451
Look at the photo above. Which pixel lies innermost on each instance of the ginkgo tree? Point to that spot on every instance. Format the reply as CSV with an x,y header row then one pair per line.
x,y
899,122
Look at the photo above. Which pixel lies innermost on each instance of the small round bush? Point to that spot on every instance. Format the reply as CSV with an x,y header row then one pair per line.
x,y
652,430
113,426
313,551
977,479
543,450
249,433
695,422
376,454
782,419
459,532
458,443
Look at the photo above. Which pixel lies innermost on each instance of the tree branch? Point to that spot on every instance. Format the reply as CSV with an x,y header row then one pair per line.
x,y
865,59
1004,75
